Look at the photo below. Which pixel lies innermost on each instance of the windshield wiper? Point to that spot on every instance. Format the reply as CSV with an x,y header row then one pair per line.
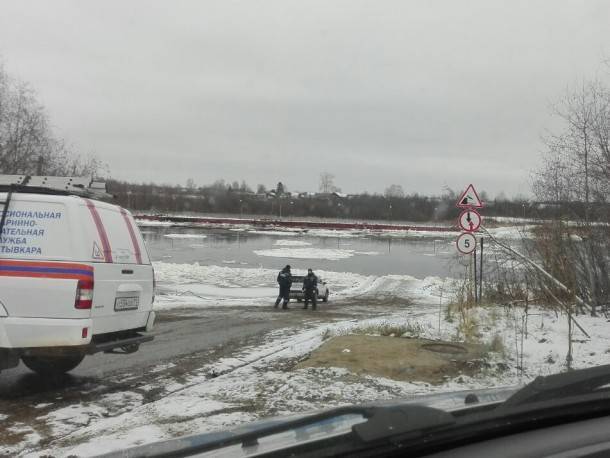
x,y
401,420
365,424
560,386
344,430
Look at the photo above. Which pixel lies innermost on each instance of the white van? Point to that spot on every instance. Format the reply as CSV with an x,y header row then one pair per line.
x,y
75,277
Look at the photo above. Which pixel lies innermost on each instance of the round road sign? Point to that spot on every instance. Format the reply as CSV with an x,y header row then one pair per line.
x,y
470,220
466,243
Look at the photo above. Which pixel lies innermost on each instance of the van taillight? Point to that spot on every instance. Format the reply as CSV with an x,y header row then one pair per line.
x,y
84,294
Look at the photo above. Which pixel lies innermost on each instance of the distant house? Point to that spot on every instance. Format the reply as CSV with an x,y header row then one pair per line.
x,y
323,195
244,193
292,195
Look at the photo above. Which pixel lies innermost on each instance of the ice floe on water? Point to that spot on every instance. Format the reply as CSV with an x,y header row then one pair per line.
x,y
306,253
185,236
153,223
511,229
287,232
291,243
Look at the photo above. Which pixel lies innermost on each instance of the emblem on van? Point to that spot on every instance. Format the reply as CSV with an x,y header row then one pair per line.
x,y
97,253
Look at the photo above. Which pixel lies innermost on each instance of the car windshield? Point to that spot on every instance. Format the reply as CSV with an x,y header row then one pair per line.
x,y
219,213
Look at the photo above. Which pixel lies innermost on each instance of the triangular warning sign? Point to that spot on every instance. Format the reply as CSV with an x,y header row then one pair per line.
x,y
97,253
469,199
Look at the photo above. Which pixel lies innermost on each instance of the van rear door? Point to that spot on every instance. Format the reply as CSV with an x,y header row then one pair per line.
x,y
123,290
38,272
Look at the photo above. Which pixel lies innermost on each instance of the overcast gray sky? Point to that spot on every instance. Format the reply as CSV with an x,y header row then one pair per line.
x,y
420,93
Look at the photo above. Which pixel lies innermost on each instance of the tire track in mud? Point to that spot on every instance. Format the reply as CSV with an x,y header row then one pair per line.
x,y
152,385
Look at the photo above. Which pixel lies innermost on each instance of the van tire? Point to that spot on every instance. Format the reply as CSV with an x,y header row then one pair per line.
x,y
52,365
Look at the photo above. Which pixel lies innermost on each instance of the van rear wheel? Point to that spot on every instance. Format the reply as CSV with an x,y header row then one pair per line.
x,y
52,365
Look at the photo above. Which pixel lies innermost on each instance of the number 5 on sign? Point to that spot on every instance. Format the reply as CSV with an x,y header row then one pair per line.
x,y
466,243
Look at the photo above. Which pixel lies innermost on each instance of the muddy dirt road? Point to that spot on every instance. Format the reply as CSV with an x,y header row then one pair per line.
x,y
178,333
186,340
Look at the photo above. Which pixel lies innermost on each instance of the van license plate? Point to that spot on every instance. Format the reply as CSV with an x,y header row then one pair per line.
x,y
126,303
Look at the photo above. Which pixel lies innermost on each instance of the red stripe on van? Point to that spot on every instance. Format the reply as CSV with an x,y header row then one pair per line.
x,y
58,270
58,276
59,265
100,230
132,234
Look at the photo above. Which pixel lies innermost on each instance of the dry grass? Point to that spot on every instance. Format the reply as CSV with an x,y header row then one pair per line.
x,y
390,330
496,345
398,359
461,308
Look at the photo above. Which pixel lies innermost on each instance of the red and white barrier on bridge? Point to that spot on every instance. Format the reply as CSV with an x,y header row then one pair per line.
x,y
334,225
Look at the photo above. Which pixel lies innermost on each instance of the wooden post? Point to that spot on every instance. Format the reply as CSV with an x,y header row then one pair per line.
x,y
440,311
569,357
474,255
481,272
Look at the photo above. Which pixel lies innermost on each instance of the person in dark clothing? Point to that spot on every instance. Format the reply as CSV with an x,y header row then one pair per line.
x,y
310,288
284,280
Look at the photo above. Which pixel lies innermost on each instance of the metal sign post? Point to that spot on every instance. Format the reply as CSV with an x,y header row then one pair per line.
x,y
470,221
466,243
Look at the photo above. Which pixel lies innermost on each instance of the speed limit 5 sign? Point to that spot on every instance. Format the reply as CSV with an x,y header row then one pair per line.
x,y
466,243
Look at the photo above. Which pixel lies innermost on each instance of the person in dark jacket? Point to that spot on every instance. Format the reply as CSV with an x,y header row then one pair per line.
x,y
284,280
310,288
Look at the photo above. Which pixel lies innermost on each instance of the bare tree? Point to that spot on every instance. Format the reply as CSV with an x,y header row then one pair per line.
x,y
327,183
27,144
244,186
576,174
23,130
600,160
576,166
394,190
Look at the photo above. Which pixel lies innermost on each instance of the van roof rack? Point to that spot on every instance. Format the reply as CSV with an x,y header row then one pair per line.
x,y
79,186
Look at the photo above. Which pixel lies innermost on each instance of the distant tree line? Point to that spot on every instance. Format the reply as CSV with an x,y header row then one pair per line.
x,y
240,199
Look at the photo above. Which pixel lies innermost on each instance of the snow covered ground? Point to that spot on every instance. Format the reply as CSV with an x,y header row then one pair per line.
x,y
197,285
260,380
257,382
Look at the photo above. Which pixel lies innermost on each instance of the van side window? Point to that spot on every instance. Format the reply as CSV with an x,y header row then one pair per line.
x,y
122,238
36,230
